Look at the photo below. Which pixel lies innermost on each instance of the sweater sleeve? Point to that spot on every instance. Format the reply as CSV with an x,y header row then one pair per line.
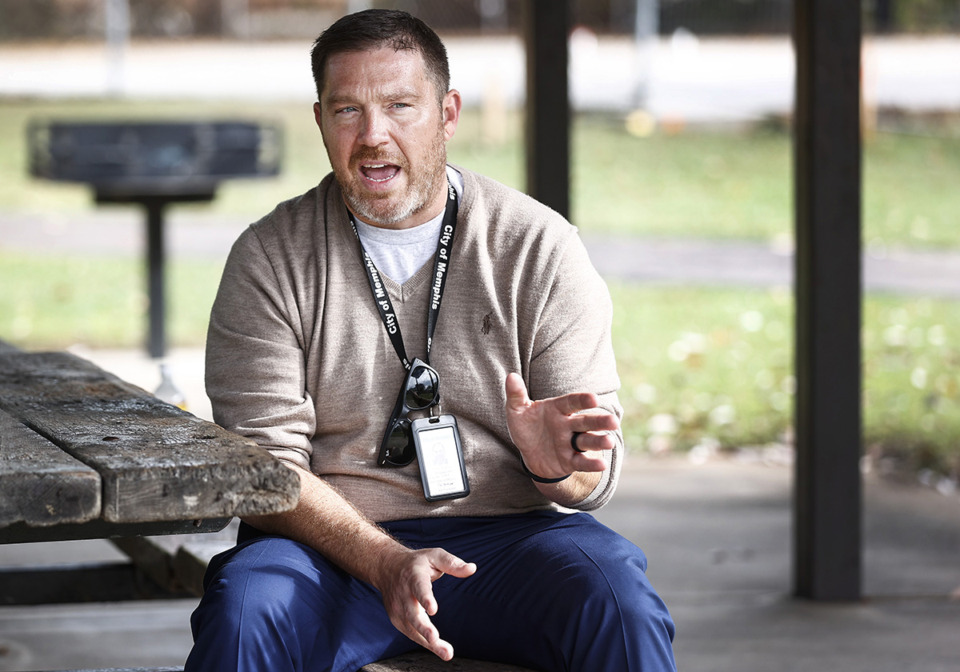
x,y
573,350
254,356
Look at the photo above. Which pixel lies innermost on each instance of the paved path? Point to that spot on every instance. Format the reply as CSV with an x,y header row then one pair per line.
x,y
647,260
732,263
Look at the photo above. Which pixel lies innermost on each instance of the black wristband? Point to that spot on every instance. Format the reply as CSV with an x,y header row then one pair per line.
x,y
541,479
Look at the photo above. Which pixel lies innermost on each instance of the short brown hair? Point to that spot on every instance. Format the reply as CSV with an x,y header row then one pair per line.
x,y
375,28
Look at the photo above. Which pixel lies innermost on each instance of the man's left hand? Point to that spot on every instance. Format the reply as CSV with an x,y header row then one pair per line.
x,y
542,430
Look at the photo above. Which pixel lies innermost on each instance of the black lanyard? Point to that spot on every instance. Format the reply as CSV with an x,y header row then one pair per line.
x,y
441,266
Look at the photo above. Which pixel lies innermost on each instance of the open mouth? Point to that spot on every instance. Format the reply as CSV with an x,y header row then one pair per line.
x,y
379,172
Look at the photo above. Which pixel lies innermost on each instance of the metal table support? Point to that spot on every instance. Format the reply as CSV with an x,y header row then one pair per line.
x,y
155,257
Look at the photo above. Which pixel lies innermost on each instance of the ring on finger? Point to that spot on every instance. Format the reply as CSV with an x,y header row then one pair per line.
x,y
573,442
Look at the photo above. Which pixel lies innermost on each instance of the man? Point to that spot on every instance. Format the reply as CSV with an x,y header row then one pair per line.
x,y
434,517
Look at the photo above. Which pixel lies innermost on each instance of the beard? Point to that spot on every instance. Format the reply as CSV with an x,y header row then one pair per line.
x,y
387,209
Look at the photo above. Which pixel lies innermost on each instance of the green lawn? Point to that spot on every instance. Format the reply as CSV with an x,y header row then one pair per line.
x,y
715,367
58,301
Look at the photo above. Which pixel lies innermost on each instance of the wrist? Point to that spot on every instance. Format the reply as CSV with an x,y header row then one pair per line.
x,y
540,479
385,558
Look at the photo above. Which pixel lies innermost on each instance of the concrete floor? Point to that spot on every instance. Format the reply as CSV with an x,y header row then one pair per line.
x,y
719,541
718,537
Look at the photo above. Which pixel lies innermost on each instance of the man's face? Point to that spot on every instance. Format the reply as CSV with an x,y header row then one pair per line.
x,y
386,135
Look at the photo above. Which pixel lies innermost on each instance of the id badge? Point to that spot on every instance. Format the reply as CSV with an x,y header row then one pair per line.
x,y
440,456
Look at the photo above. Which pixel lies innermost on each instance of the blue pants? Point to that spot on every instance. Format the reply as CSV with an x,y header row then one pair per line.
x,y
553,592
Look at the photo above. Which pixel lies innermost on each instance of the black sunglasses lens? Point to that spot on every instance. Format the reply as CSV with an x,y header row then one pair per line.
x,y
398,449
423,386
420,391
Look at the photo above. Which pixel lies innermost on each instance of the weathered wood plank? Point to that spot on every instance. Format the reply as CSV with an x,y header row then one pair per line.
x,y
40,485
178,561
191,561
67,584
19,533
154,557
421,661
156,462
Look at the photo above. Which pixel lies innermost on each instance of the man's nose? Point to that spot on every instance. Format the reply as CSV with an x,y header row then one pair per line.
x,y
374,130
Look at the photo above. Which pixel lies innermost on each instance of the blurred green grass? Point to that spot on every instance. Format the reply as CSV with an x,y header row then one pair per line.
x,y
713,368
701,368
55,301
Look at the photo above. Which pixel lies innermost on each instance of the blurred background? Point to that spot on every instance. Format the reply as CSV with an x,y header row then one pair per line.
x,y
681,186
681,181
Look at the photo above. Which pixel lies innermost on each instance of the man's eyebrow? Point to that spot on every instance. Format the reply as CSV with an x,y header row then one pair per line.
x,y
407,94
396,94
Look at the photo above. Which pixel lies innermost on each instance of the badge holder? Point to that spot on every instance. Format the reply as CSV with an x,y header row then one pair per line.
x,y
440,456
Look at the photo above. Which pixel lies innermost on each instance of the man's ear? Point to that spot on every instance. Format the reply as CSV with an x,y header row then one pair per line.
x,y
451,113
317,115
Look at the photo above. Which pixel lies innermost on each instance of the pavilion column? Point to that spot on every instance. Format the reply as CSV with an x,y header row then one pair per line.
x,y
827,513
546,26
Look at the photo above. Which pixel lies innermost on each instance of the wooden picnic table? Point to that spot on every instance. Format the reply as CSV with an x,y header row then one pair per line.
x,y
85,455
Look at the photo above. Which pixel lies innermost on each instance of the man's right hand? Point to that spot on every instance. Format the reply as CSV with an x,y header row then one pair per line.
x,y
406,582
326,521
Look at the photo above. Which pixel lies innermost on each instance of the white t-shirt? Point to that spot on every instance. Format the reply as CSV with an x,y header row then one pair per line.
x,y
399,254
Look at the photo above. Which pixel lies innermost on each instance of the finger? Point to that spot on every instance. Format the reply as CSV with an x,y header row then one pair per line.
x,y
422,589
457,567
447,563
575,402
422,631
516,390
590,460
443,650
412,620
590,441
425,632
595,419
594,422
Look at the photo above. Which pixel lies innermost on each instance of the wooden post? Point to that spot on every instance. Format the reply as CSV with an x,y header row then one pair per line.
x,y
546,25
827,516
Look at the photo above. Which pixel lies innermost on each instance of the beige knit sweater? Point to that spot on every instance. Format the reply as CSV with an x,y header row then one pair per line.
x,y
299,361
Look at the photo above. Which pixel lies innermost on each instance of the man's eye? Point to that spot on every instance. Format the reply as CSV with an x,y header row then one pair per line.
x,y
399,105
345,110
